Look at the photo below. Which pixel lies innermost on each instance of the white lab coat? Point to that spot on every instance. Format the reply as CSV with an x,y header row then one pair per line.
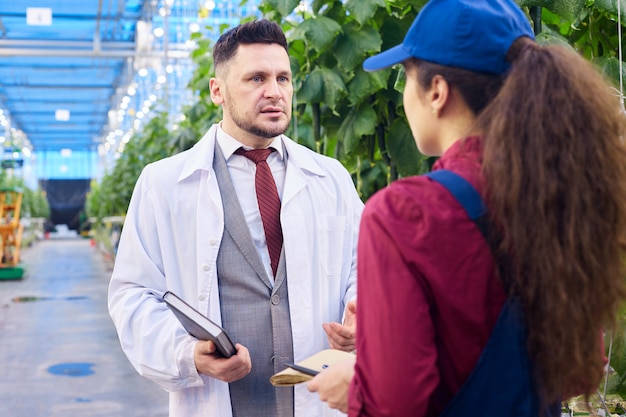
x,y
170,240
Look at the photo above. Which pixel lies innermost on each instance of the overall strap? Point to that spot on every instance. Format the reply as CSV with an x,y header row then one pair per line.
x,y
476,209
504,362
463,191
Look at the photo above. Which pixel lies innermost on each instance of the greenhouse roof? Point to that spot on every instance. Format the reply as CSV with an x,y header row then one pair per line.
x,y
66,65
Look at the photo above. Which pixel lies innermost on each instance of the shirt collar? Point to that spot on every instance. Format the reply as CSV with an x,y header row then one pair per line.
x,y
229,145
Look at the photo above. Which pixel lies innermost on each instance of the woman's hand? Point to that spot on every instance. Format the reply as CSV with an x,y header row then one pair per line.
x,y
333,384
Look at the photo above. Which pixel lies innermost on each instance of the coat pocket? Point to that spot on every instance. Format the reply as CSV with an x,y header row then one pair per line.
x,y
331,235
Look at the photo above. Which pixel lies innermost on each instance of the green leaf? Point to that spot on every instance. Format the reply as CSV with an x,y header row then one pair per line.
x,y
402,149
363,10
365,84
399,81
357,123
548,37
184,139
303,134
197,111
284,7
322,85
319,31
611,6
610,66
569,9
355,42
317,5
533,3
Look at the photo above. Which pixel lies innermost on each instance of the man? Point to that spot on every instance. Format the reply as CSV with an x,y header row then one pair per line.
x,y
194,227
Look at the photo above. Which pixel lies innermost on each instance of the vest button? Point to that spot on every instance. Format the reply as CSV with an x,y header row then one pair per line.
x,y
275,299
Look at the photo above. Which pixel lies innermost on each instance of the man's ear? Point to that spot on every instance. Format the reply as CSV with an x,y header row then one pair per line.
x,y
438,94
215,87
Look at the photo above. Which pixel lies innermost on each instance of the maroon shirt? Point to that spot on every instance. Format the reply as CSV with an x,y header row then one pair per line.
x,y
428,296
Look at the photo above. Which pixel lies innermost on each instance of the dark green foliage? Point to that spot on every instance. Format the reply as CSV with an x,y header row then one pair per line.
x,y
340,110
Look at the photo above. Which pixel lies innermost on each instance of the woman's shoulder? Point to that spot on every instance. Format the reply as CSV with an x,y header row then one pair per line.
x,y
419,201
406,198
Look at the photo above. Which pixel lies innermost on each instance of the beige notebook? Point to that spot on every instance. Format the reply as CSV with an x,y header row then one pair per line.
x,y
316,363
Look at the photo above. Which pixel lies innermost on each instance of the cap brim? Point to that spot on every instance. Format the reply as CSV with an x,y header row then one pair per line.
x,y
386,59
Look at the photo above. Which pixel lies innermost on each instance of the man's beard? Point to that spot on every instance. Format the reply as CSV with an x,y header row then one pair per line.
x,y
259,131
253,128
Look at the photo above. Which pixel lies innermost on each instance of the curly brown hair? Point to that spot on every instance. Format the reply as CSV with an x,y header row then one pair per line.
x,y
554,163
554,166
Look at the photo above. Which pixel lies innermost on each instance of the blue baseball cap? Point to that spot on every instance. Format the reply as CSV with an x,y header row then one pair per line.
x,y
470,34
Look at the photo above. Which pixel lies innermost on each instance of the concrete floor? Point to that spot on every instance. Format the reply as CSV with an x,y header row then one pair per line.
x,y
59,353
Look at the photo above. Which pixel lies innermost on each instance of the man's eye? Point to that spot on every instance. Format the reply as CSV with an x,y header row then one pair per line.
x,y
256,79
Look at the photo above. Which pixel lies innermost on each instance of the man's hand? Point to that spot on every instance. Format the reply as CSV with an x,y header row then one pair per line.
x,y
211,363
343,337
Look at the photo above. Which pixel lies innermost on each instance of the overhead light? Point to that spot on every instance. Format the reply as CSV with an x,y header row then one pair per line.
x,y
38,16
66,153
62,115
158,32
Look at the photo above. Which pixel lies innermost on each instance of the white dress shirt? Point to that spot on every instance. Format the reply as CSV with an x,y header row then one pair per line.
x,y
242,172
170,241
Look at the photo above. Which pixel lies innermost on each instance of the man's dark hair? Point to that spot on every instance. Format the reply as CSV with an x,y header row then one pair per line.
x,y
258,31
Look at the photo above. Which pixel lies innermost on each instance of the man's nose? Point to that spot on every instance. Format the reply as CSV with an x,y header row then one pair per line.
x,y
272,89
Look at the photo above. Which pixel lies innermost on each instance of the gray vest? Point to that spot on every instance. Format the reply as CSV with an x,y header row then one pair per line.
x,y
254,313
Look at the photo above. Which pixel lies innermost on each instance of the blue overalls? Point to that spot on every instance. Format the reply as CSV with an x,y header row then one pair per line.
x,y
500,384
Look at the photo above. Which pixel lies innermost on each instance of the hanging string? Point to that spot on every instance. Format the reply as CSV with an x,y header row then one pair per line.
x,y
621,102
619,51
608,366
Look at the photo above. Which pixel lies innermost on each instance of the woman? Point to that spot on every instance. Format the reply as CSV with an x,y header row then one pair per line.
x,y
538,133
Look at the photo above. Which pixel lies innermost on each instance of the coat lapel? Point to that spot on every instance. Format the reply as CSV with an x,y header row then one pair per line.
x,y
235,223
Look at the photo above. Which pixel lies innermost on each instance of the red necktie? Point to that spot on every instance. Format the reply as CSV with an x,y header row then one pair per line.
x,y
268,200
